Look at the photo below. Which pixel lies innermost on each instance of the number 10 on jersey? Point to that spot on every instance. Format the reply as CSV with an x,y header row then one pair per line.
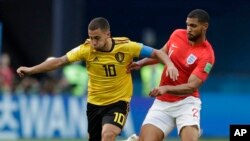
x,y
110,70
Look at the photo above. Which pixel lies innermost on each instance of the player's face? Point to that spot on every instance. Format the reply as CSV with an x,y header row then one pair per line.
x,y
98,38
195,29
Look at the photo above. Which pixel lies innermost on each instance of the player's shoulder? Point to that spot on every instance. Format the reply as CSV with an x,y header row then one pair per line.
x,y
209,47
208,44
121,40
87,41
206,51
180,32
85,44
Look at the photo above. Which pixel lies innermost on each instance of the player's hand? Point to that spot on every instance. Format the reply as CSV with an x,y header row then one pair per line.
x,y
133,66
172,72
157,91
23,71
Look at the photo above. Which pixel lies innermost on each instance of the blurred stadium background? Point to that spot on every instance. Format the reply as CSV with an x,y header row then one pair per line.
x,y
52,105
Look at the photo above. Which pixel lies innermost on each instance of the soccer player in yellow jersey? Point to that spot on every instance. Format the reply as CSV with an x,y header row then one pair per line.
x,y
110,85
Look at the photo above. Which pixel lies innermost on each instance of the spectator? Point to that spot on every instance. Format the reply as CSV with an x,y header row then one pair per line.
x,y
6,74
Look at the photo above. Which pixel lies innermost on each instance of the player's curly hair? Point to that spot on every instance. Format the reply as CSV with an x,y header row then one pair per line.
x,y
202,15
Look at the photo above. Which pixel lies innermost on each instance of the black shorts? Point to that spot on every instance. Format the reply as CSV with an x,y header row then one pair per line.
x,y
115,114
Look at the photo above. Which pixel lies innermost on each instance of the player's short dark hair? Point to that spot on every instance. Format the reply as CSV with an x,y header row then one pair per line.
x,y
99,22
202,15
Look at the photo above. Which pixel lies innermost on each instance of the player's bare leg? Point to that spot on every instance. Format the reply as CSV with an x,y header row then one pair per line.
x,y
151,133
109,132
189,133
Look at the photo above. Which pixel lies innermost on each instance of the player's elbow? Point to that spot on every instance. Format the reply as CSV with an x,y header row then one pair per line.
x,y
155,53
62,61
191,88
193,84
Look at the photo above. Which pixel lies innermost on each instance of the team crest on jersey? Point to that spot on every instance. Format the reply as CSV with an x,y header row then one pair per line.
x,y
191,59
119,57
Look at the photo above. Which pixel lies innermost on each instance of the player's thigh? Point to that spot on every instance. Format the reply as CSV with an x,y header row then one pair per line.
x,y
157,119
150,132
189,133
188,115
94,122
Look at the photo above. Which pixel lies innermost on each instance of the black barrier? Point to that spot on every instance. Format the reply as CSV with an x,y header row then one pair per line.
x,y
239,132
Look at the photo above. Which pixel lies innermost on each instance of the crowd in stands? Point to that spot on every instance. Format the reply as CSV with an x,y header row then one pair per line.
x,y
51,83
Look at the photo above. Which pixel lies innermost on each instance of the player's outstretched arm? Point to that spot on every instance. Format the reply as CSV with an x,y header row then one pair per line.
x,y
143,62
47,65
183,89
171,71
154,56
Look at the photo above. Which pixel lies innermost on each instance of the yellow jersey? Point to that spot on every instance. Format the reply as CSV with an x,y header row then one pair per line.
x,y
108,81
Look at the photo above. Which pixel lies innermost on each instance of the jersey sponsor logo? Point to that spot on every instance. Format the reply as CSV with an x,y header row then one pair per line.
x,y
119,57
171,50
191,59
208,67
174,46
